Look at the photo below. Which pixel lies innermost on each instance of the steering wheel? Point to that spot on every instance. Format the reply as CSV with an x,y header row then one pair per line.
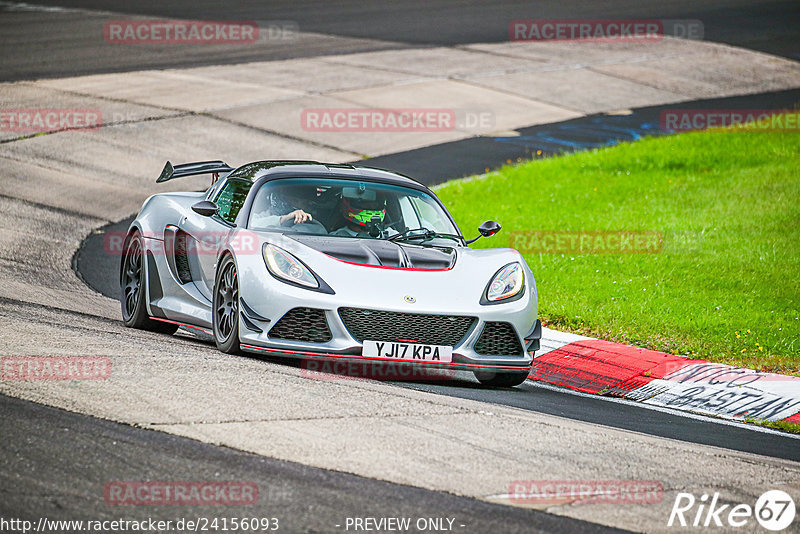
x,y
311,227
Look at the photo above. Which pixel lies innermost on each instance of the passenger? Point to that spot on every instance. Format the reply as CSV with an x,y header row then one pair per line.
x,y
277,212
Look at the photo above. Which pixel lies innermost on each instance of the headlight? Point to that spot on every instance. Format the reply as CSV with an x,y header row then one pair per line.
x,y
508,282
286,267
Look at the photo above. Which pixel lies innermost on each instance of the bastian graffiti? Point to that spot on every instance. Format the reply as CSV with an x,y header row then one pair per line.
x,y
720,389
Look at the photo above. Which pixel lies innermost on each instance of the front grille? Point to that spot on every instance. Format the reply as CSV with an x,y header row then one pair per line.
x,y
302,324
390,326
498,339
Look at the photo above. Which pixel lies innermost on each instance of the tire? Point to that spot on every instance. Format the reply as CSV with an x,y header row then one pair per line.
x,y
226,307
501,380
133,286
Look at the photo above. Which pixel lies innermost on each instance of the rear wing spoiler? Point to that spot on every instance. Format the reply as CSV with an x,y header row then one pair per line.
x,y
191,169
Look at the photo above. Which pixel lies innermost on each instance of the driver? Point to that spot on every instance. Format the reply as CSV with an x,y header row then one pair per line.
x,y
363,212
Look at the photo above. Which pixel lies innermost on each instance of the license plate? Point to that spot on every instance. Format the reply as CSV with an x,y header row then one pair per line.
x,y
408,352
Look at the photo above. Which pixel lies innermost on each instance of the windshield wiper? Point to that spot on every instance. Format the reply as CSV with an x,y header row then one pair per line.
x,y
425,233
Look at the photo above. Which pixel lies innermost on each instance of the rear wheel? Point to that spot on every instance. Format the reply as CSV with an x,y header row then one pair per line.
x,y
501,380
226,307
132,282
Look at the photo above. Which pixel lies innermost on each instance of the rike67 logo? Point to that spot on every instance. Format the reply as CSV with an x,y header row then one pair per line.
x,y
774,510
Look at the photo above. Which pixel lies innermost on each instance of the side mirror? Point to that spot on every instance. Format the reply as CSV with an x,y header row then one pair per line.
x,y
206,208
487,229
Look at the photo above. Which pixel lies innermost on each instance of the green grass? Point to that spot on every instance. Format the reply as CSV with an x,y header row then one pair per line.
x,y
726,285
792,428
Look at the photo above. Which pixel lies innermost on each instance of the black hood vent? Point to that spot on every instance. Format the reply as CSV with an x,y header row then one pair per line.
x,y
380,252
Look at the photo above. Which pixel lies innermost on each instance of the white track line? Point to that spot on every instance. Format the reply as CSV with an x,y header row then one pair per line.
x,y
23,7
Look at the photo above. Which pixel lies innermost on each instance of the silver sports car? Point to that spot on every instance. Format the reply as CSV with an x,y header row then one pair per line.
x,y
325,261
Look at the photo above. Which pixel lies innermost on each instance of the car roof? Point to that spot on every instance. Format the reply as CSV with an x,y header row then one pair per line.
x,y
286,168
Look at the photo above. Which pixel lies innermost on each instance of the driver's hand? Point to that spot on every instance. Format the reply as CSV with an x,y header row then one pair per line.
x,y
297,217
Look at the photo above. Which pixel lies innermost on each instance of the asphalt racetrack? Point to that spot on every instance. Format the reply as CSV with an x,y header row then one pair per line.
x,y
304,499
40,44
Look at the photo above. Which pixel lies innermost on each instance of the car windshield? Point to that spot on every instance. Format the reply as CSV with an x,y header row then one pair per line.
x,y
350,209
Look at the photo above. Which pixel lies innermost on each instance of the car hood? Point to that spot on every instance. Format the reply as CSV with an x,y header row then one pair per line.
x,y
364,283
383,253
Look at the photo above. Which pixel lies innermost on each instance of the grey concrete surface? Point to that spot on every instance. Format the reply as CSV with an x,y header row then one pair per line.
x,y
27,96
513,85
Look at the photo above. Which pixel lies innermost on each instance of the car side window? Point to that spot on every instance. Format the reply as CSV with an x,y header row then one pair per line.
x,y
231,198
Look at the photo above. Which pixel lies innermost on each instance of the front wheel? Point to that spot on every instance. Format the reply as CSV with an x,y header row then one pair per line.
x,y
501,380
226,307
